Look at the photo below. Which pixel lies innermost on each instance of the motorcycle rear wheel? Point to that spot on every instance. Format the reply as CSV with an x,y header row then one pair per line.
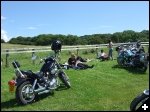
x,y
138,101
23,94
63,77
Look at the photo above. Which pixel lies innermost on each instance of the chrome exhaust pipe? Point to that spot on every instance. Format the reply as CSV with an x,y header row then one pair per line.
x,y
46,91
40,89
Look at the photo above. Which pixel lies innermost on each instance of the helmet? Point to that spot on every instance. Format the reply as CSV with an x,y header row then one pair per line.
x,y
117,48
56,46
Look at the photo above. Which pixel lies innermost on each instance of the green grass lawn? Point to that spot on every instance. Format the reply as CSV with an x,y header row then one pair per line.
x,y
106,87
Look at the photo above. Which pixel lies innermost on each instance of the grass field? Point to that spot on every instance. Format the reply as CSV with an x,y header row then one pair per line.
x,y
106,87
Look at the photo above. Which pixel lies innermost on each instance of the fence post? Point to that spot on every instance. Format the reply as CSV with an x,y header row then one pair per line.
x,y
77,51
33,55
7,58
96,51
32,52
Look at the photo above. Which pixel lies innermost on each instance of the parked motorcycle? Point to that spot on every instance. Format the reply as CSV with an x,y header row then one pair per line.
x,y
139,100
27,84
132,57
136,48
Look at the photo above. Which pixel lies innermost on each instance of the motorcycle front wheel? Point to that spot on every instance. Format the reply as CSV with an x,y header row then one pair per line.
x,y
64,78
121,62
25,94
138,101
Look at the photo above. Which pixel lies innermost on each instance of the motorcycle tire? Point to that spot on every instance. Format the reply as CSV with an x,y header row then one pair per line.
x,y
120,62
138,101
65,80
23,96
143,69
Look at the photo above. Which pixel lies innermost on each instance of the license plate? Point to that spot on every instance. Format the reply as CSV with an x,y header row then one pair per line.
x,y
11,88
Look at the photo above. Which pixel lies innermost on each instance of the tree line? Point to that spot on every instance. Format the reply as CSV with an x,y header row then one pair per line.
x,y
46,39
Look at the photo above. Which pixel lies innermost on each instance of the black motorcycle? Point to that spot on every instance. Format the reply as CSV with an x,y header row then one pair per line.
x,y
139,100
30,84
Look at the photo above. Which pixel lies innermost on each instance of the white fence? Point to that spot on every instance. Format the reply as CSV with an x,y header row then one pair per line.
x,y
45,49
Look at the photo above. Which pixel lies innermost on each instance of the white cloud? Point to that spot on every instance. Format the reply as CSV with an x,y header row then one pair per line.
x,y
2,17
18,35
32,28
29,28
4,36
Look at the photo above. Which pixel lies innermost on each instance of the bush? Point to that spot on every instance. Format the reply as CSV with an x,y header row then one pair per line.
x,y
92,51
85,52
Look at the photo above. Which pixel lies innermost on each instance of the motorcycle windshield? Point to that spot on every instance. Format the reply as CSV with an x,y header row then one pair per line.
x,y
47,65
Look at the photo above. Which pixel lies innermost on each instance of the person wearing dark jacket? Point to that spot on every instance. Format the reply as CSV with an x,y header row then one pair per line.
x,y
76,63
72,61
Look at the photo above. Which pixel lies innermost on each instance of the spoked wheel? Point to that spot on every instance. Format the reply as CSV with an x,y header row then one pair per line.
x,y
120,61
64,78
25,94
138,101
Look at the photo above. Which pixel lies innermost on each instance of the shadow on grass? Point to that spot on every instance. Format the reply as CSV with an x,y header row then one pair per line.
x,y
62,87
130,69
9,104
13,102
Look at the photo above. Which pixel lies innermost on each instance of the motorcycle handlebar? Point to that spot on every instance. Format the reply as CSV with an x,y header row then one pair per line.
x,y
41,60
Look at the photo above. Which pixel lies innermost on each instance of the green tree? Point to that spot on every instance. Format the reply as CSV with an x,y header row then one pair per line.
x,y
2,41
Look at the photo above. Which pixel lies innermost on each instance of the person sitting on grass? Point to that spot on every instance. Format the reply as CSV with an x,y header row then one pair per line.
x,y
102,55
83,60
72,61
75,63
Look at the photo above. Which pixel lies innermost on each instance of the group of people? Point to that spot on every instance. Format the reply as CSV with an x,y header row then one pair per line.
x,y
103,56
77,62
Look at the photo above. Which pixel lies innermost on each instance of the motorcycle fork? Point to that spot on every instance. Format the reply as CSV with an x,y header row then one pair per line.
x,y
34,83
57,81
123,57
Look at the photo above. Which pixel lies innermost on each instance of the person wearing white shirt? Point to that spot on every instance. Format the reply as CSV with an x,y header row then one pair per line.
x,y
101,55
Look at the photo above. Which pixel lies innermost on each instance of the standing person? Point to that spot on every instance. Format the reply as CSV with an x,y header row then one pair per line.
x,y
110,46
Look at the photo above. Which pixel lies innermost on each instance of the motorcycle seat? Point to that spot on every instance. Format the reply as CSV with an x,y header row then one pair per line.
x,y
38,74
27,72
30,72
